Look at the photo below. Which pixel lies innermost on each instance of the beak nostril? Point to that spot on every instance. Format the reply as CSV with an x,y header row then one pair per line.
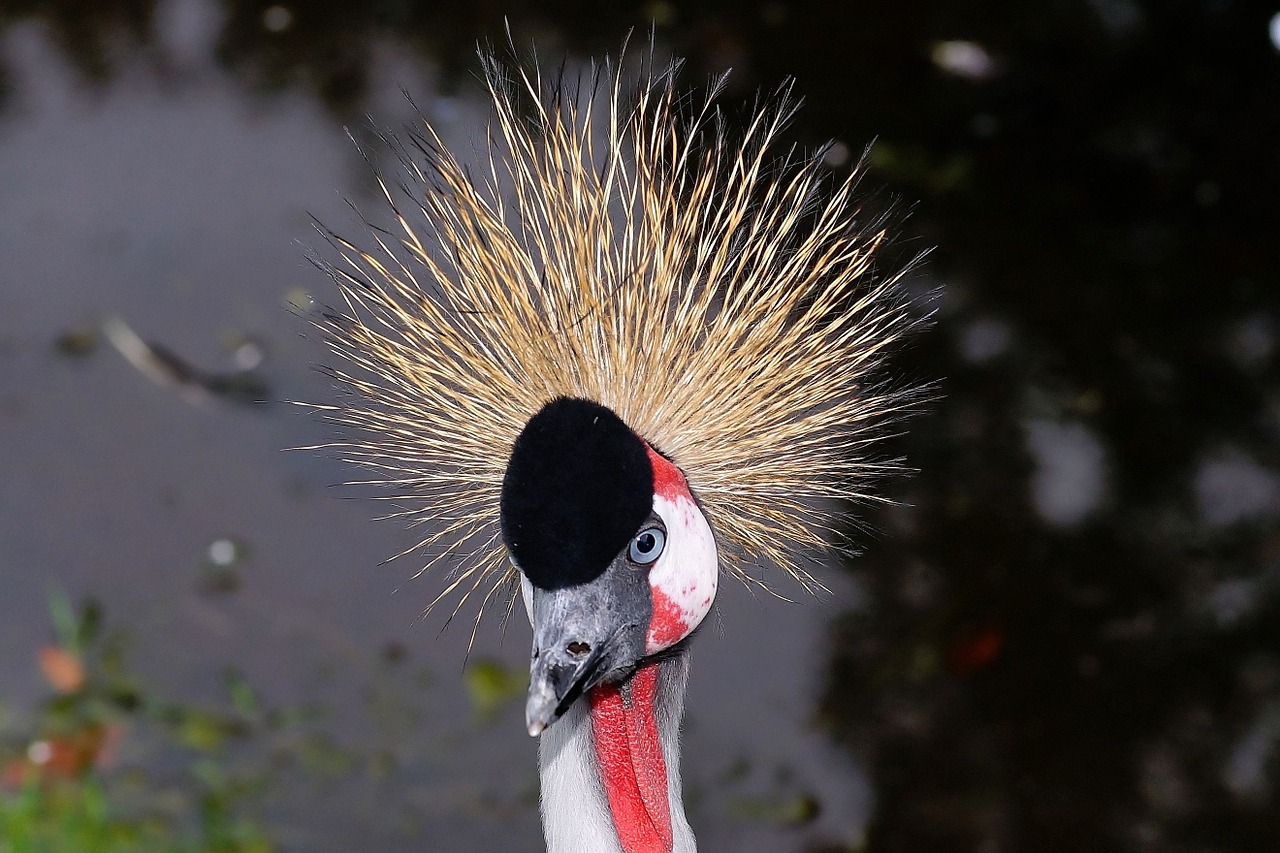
x,y
578,648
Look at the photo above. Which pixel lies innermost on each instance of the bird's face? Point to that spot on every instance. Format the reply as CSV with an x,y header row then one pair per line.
x,y
617,560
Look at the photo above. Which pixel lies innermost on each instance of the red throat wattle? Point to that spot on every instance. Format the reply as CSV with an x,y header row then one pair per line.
x,y
632,766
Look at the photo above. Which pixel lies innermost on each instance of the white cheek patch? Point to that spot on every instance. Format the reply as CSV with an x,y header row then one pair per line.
x,y
526,592
684,578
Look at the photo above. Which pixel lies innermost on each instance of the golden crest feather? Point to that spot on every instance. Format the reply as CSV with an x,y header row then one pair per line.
x,y
619,244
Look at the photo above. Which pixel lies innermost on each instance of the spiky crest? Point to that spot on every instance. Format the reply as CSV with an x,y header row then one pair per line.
x,y
717,297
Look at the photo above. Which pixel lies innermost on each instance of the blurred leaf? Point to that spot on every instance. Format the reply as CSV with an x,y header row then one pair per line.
x,y
211,773
66,627
204,730
242,696
913,165
89,625
62,669
491,684
784,810
321,755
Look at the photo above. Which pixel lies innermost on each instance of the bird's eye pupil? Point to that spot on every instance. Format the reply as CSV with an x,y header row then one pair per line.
x,y
647,545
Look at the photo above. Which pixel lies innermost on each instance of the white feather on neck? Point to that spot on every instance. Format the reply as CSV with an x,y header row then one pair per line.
x,y
575,809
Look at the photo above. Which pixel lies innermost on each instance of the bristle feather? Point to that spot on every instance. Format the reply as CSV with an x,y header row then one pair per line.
x,y
719,296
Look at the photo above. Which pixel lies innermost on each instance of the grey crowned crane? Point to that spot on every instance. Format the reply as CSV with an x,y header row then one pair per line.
x,y
624,353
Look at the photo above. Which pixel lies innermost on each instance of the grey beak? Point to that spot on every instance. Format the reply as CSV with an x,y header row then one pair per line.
x,y
582,636
557,677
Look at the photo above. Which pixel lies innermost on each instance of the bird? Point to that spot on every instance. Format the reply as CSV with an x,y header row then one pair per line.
x,y
635,344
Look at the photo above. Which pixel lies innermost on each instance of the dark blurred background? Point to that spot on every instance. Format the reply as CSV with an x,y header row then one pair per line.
x,y
1065,637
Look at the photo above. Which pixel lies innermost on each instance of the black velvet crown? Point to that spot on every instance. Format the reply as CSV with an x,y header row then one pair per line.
x,y
578,486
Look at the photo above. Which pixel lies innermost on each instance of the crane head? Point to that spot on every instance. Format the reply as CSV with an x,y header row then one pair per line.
x,y
622,292
617,560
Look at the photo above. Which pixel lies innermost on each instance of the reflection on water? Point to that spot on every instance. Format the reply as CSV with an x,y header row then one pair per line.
x,y
1073,640
1068,640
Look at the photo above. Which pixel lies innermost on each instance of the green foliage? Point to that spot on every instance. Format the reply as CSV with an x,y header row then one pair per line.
x,y
71,815
491,685
84,815
61,788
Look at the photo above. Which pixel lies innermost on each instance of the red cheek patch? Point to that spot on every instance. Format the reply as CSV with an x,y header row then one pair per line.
x,y
668,625
668,480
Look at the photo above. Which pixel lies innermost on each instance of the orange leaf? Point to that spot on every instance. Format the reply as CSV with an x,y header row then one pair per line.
x,y
62,669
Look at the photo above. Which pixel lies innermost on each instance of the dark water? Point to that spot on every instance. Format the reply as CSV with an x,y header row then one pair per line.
x,y
1066,639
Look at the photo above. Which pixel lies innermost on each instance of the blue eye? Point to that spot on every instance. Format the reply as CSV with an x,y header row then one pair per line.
x,y
647,545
